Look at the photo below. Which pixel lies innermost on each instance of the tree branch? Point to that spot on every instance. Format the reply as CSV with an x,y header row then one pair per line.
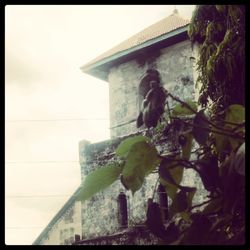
x,y
195,112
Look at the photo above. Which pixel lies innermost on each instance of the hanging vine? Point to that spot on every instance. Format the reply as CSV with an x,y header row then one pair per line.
x,y
219,32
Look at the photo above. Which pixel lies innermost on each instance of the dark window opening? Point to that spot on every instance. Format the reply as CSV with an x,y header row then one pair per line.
x,y
122,210
163,201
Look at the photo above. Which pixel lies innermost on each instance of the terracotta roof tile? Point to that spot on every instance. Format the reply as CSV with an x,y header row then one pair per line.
x,y
162,27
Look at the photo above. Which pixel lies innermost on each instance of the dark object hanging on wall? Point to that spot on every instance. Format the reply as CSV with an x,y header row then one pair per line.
x,y
122,210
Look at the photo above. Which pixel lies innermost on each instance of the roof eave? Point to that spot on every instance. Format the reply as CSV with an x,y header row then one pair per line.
x,y
98,68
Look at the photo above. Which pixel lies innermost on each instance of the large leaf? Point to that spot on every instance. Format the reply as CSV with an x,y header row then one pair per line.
x,y
200,129
124,147
179,203
132,183
181,109
221,141
98,180
182,201
235,113
164,171
187,147
169,182
141,159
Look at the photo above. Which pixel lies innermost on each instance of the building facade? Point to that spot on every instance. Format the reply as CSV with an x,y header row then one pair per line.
x,y
163,47
65,225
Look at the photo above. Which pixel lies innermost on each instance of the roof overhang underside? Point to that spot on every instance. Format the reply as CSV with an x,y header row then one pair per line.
x,y
101,68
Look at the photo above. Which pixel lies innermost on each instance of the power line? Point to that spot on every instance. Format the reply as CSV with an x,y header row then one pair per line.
x,y
37,196
34,162
58,120
28,227
25,227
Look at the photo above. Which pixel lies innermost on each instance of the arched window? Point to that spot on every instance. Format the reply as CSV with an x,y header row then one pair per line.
x,y
144,87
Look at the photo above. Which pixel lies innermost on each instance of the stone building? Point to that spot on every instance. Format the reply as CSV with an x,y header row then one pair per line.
x,y
114,216
64,226
165,47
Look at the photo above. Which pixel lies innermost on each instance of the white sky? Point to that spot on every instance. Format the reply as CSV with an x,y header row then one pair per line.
x,y
44,49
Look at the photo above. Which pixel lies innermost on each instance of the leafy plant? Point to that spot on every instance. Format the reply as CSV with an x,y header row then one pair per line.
x,y
218,128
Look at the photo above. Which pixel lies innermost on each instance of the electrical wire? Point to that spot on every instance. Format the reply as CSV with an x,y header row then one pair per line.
x,y
37,196
34,162
58,120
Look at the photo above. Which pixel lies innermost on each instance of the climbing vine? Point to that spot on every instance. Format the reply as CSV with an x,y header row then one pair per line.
x,y
209,138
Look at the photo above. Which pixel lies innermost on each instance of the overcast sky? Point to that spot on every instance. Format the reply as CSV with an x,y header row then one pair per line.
x,y
44,49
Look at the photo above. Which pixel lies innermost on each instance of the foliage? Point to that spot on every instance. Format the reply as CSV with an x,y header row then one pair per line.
x,y
99,180
219,132
219,32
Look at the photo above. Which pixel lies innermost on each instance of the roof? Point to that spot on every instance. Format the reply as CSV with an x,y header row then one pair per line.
x,y
60,213
161,30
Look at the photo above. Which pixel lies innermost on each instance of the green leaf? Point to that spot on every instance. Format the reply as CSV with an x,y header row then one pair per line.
x,y
180,109
176,173
141,159
221,141
179,203
235,113
182,201
124,147
132,183
187,147
98,180
185,216
164,171
200,122
171,189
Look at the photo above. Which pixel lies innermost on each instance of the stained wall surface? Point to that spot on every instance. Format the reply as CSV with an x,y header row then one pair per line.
x,y
176,71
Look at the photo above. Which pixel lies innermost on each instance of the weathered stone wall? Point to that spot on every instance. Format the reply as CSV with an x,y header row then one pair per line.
x,y
100,213
123,96
176,70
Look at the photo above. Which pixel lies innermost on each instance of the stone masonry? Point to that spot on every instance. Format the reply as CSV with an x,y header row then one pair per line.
x,y
175,68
